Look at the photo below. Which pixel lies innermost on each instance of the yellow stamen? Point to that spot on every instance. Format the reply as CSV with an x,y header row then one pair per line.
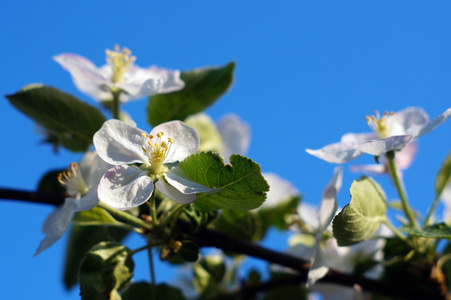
x,y
381,125
156,149
120,62
73,180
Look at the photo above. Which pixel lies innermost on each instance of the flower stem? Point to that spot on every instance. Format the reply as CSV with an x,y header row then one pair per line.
x,y
431,210
130,219
115,105
153,211
394,230
152,274
394,173
173,214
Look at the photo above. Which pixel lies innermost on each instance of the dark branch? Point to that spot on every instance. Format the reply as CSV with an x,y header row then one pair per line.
x,y
211,238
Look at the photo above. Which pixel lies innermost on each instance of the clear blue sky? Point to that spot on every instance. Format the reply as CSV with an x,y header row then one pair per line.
x,y
307,72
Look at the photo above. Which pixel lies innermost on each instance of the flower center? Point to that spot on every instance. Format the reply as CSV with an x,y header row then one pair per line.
x,y
381,125
120,61
156,149
73,180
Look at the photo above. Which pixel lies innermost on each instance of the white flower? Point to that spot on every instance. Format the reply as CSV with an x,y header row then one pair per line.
x,y
391,132
120,74
280,189
81,184
231,135
143,161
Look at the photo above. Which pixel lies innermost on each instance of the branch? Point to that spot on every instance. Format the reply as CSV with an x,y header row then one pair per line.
x,y
211,238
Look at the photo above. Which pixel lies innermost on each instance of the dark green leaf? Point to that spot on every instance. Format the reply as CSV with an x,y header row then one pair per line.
x,y
240,185
444,176
189,251
105,270
436,231
66,118
95,216
49,182
361,218
83,238
202,88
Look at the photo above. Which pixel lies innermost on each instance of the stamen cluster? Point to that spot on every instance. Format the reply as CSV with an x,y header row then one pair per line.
x,y
381,125
156,150
73,180
120,61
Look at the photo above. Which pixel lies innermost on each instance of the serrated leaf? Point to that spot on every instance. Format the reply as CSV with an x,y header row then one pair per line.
x,y
66,118
83,238
241,184
95,216
436,231
202,88
104,270
443,176
361,218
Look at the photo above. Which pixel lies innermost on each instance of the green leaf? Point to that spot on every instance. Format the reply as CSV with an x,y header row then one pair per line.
x,y
436,231
65,118
189,251
49,182
105,269
83,238
143,291
361,218
95,216
444,176
241,184
202,88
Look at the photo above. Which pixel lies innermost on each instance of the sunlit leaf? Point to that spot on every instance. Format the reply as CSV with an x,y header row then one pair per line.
x,y
240,185
361,218
436,231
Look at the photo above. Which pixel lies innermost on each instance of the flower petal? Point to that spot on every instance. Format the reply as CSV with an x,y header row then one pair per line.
x,y
382,146
420,130
328,205
280,189
88,201
337,153
56,224
124,187
407,118
178,179
118,144
236,136
173,194
86,76
186,140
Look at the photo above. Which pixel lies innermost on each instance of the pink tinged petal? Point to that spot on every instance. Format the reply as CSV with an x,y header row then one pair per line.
x,y
357,138
420,130
382,146
405,157
407,118
328,205
124,187
173,194
56,224
337,153
236,135
186,140
179,180
279,189
372,169
318,269
118,143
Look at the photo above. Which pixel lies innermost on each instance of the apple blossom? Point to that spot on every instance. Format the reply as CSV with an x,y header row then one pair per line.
x,y
390,132
118,75
144,161
81,185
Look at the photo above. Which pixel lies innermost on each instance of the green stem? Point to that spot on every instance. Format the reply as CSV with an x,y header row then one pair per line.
x,y
130,219
431,210
394,173
152,274
115,105
153,211
394,230
173,214
149,246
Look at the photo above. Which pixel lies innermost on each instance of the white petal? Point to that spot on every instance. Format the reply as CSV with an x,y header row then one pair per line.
x,y
92,168
178,179
124,187
370,169
405,157
236,136
86,76
337,153
358,138
56,224
318,269
308,214
186,140
420,130
118,144
407,118
173,194
382,146
328,205
88,201
279,189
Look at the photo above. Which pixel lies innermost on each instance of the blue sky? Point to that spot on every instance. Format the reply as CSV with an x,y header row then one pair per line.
x,y
307,72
